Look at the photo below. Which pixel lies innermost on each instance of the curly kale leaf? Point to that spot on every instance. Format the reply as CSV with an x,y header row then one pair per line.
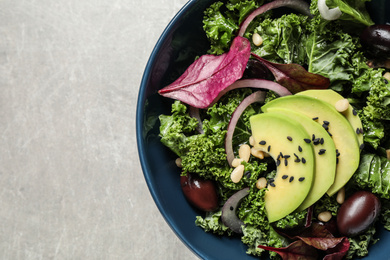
x,y
219,28
221,22
253,237
359,244
212,223
378,99
292,220
175,128
326,203
385,214
282,39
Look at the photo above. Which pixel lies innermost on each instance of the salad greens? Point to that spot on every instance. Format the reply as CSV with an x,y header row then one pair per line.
x,y
328,48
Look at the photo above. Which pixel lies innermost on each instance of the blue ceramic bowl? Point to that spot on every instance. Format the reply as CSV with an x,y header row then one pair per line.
x,y
181,41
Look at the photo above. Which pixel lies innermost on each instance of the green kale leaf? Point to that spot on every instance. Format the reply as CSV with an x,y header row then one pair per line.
x,y
352,10
374,174
212,223
359,244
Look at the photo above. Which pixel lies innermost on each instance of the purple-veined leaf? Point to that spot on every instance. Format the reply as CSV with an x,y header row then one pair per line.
x,y
294,77
339,251
297,250
205,78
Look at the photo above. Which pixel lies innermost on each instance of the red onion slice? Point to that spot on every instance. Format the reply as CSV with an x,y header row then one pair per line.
x,y
299,5
327,13
258,96
194,112
255,83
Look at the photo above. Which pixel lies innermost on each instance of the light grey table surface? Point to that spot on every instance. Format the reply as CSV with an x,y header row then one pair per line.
x,y
71,181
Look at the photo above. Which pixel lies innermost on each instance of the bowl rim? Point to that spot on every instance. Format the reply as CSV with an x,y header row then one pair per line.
x,y
140,119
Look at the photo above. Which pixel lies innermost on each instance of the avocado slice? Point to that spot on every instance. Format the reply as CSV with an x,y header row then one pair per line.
x,y
331,96
324,152
282,137
338,127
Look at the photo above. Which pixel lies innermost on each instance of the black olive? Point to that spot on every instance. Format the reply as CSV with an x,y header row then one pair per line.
x,y
376,40
256,69
357,213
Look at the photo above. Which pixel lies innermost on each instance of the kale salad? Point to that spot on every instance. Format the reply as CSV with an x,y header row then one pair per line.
x,y
282,129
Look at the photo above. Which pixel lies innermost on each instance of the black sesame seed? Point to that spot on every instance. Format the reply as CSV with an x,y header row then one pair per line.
x,y
385,81
337,160
301,179
272,184
361,146
354,112
297,160
278,158
285,162
299,148
329,133
326,122
269,148
315,118
307,140
361,131
322,141
358,130
277,163
284,177
271,180
325,126
337,153
231,208
303,160
289,138
248,174
291,178
280,154
313,137
296,155
322,151
287,156
316,141
263,142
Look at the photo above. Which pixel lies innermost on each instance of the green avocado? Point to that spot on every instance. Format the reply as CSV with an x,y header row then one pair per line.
x,y
338,127
283,138
331,96
324,152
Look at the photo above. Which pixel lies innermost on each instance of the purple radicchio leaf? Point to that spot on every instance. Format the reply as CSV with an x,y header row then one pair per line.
x,y
204,79
294,77
297,250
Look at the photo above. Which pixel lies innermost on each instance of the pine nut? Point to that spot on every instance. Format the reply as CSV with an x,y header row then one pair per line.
x,y
251,141
324,216
244,152
342,105
257,39
178,162
237,173
261,183
236,162
257,153
340,196
387,76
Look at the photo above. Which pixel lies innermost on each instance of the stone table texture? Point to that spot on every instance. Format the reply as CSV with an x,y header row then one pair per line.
x,y
71,181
